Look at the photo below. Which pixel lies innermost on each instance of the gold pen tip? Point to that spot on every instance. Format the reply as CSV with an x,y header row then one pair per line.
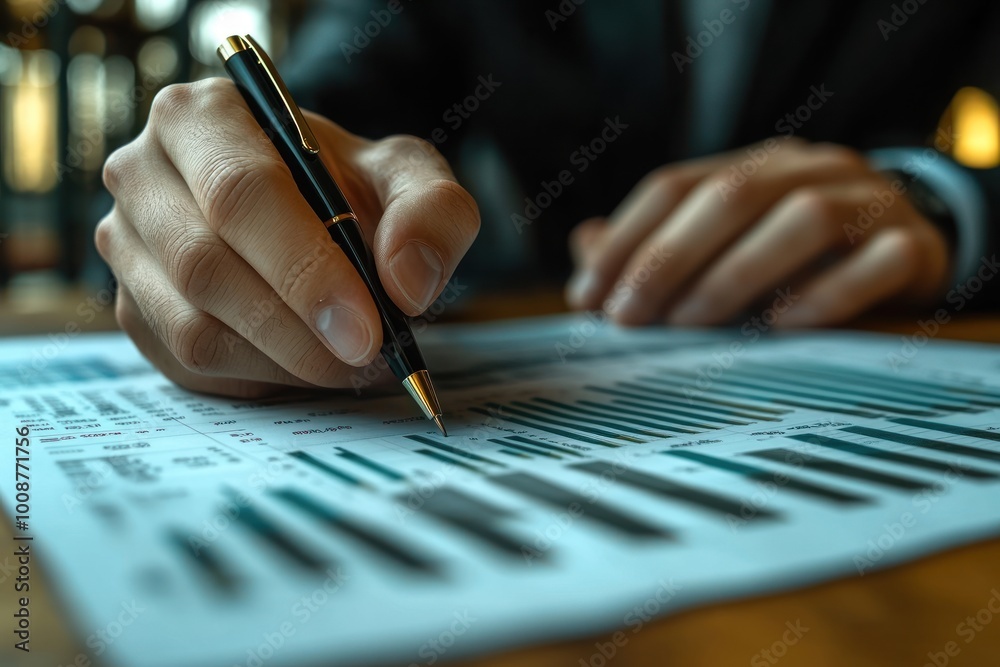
x,y
440,424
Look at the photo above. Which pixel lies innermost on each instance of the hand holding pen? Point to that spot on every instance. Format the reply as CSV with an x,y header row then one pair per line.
x,y
230,283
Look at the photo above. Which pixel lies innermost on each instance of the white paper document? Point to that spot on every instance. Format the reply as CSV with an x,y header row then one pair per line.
x,y
593,479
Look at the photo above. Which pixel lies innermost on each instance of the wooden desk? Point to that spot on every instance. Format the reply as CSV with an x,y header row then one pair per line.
x,y
893,617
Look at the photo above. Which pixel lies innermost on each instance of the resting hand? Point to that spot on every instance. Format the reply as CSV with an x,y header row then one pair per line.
x,y
700,242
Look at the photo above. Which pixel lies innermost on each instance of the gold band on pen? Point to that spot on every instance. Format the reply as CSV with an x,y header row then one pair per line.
x,y
337,218
232,46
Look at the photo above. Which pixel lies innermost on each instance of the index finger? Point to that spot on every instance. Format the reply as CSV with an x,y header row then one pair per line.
x,y
249,198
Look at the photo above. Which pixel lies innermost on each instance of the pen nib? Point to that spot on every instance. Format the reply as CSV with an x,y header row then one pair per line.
x,y
420,388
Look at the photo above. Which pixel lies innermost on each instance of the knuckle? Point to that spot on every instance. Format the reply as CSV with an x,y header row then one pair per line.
x,y
195,266
118,166
793,142
908,250
214,89
811,204
171,101
666,181
839,157
103,236
196,342
296,282
407,144
455,201
231,185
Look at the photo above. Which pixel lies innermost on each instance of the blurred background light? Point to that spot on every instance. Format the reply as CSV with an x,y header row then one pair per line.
x,y
158,14
212,22
976,121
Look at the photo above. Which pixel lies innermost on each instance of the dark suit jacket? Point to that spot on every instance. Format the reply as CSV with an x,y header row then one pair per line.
x,y
611,59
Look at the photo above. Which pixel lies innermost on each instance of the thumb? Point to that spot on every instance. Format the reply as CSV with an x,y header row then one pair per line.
x,y
428,222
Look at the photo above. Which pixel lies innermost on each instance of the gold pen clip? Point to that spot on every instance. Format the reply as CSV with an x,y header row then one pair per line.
x,y
236,44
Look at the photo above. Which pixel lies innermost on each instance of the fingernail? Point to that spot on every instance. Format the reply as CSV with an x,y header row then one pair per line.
x,y
417,270
350,336
691,311
582,288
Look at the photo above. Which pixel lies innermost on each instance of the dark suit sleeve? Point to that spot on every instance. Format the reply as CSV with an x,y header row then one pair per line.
x,y
376,68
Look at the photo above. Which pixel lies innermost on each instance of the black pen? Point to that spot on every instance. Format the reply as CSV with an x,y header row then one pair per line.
x,y
265,93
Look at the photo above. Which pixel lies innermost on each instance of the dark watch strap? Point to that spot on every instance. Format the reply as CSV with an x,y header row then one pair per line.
x,y
927,202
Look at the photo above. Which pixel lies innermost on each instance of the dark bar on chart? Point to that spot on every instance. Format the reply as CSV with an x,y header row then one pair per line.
x,y
949,428
592,430
325,467
728,413
563,499
269,533
642,417
895,457
522,450
441,458
514,453
926,443
785,401
763,475
544,445
354,530
207,560
544,427
850,387
374,466
776,387
684,392
811,462
577,412
982,397
456,451
654,395
475,518
672,490
665,415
